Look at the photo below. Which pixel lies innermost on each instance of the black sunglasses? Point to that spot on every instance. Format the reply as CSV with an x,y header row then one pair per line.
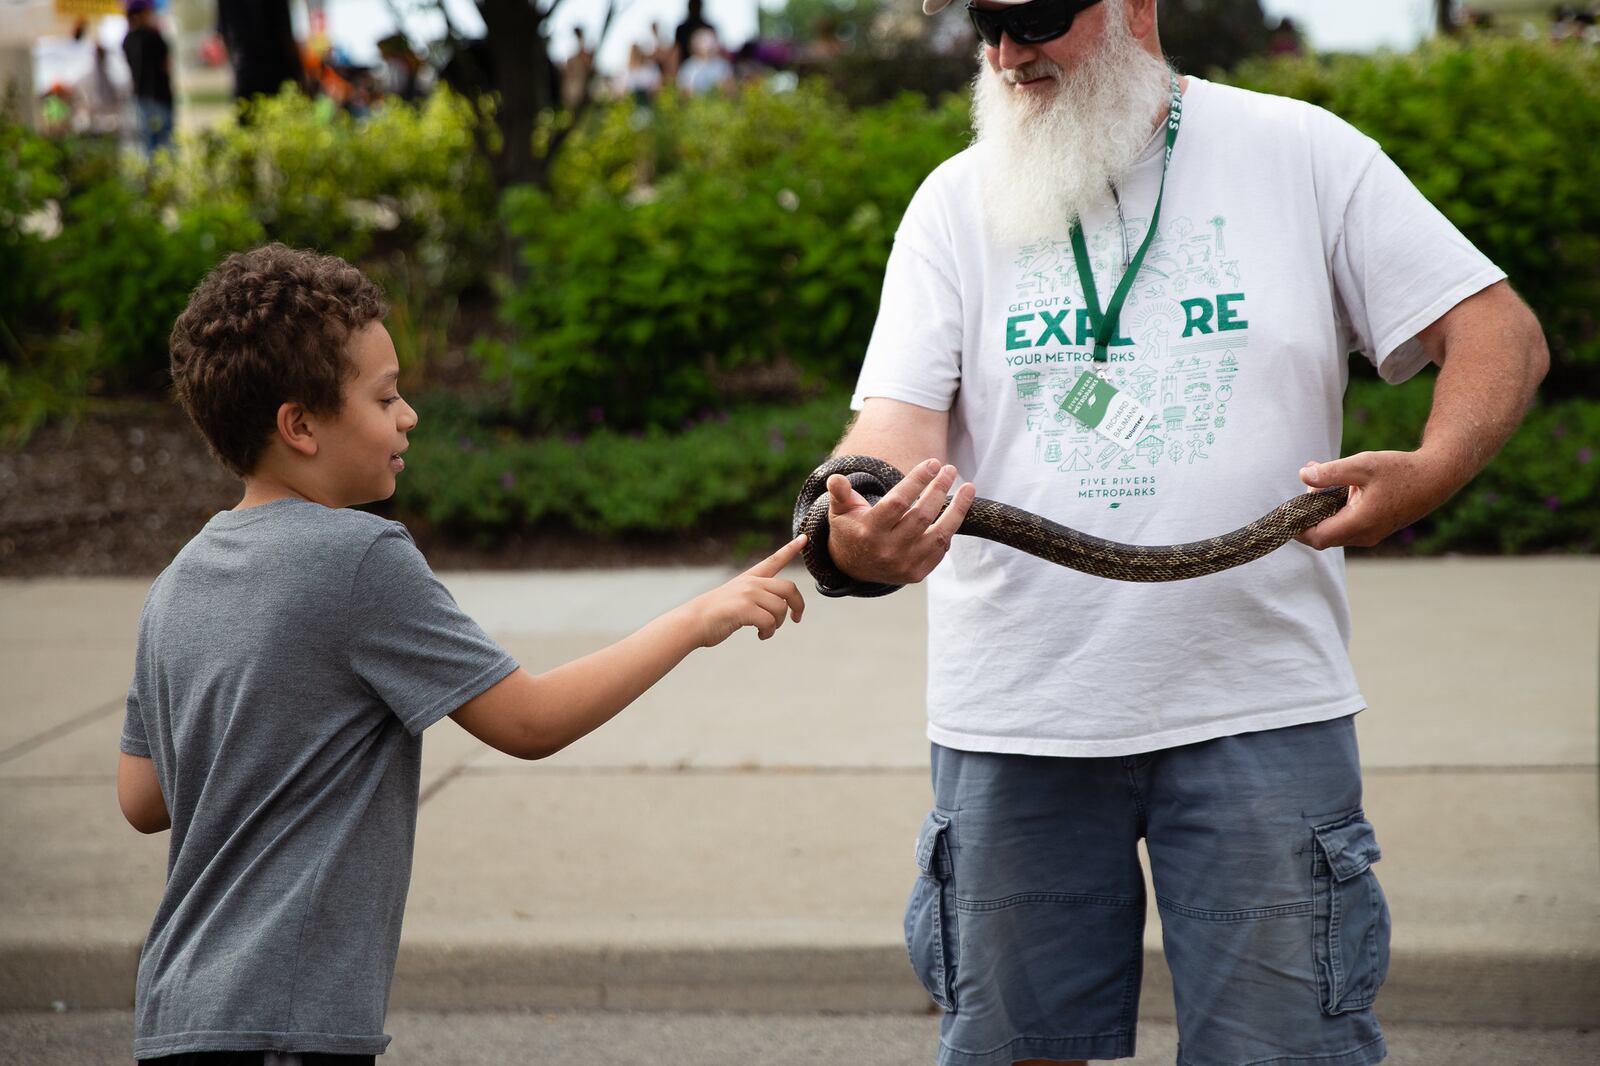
x,y
1031,23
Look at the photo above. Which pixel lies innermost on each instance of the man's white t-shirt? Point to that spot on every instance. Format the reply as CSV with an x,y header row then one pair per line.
x,y
1287,239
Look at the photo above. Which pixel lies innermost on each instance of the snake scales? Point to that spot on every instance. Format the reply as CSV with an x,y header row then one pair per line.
x,y
1028,532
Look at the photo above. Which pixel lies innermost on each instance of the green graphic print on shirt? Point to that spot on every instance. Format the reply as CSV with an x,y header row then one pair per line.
x,y
1177,350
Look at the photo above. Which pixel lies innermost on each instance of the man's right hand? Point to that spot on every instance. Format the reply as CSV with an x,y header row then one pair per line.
x,y
900,539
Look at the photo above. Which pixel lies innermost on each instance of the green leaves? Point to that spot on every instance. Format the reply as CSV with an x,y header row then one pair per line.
x,y
736,471
760,238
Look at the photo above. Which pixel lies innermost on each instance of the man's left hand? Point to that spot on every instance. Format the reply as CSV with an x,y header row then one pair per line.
x,y
1388,491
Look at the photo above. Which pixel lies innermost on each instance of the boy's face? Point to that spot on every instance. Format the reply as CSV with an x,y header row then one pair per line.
x,y
363,442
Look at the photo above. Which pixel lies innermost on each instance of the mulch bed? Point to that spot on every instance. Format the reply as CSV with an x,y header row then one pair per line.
x,y
122,491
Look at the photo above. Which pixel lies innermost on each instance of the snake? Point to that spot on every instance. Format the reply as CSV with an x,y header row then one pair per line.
x,y
1051,541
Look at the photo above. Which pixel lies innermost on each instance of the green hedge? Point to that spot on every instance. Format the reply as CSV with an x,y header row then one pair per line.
x,y
405,181
676,248
99,250
124,269
737,471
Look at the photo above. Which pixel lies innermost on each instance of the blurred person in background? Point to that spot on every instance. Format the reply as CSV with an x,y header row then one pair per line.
x,y
664,52
261,46
576,72
402,68
642,78
694,21
1570,22
103,97
706,69
1285,39
150,63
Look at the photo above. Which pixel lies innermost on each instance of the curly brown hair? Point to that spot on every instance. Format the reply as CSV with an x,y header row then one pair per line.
x,y
267,327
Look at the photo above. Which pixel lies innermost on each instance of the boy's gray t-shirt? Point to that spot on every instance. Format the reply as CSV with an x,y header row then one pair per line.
x,y
289,659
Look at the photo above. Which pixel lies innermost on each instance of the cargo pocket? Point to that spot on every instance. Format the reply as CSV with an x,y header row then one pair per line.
x,y
1351,941
930,914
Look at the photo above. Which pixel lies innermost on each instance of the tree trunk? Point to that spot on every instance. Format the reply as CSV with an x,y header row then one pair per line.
x,y
524,81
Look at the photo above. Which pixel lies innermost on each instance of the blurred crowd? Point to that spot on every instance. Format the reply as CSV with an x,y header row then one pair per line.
x,y
133,99
124,88
100,103
694,60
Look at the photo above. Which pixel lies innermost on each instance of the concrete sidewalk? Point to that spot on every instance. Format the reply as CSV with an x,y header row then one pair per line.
x,y
741,839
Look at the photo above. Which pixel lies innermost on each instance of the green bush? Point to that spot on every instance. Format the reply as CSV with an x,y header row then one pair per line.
x,y
738,473
735,471
1503,136
124,272
30,183
99,251
95,270
678,246
405,180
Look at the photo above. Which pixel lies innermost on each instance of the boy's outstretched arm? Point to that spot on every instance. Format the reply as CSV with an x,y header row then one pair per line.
x,y
532,716
139,794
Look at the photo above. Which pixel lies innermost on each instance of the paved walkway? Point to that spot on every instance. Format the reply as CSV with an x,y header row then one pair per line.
x,y
740,840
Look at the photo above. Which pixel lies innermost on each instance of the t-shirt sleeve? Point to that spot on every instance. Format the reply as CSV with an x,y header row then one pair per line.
x,y
410,642
915,351
134,740
1398,266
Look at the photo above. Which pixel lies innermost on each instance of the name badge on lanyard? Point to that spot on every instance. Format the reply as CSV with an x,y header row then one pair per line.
x,y
1096,403
1093,400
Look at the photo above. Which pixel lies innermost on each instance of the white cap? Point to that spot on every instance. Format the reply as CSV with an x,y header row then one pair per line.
x,y
933,7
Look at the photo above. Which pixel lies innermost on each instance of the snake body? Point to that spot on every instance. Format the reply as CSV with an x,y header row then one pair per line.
x,y
1048,540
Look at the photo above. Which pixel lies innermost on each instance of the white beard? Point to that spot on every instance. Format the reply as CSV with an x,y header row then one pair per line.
x,y
1047,159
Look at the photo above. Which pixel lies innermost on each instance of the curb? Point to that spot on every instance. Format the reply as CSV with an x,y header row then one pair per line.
x,y
1448,988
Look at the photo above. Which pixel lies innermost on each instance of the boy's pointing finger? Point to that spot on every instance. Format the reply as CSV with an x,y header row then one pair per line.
x,y
779,559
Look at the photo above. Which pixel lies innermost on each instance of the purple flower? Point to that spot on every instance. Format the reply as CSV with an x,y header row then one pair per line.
x,y
1559,431
1584,455
574,439
466,444
508,480
1491,498
775,440
1552,503
597,415
1407,535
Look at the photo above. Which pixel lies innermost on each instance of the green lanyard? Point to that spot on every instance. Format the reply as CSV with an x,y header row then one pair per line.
x,y
1105,325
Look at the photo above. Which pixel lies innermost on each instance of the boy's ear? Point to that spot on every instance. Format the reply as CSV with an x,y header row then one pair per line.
x,y
296,428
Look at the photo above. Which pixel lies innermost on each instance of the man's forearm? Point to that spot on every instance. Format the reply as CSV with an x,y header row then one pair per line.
x,y
1491,362
900,434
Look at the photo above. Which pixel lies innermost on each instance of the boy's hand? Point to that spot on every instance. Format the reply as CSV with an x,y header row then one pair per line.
x,y
757,597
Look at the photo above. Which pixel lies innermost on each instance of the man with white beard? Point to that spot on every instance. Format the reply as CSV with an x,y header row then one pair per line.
x,y
1212,255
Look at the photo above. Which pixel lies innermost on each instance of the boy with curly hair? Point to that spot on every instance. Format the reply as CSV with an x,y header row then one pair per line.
x,y
290,658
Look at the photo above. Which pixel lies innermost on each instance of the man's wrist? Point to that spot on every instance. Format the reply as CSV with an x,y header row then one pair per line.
x,y
1444,465
837,582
